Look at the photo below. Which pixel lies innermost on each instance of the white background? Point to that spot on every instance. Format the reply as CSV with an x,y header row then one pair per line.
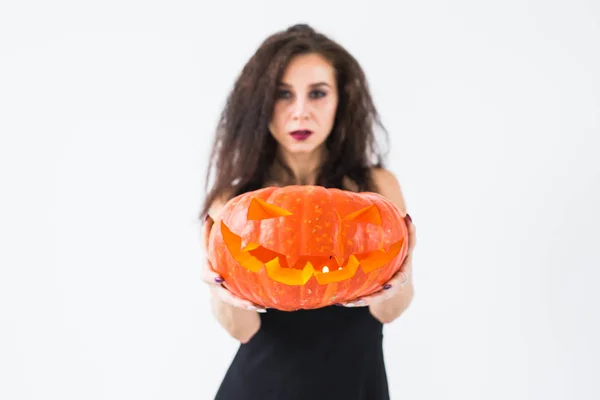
x,y
107,110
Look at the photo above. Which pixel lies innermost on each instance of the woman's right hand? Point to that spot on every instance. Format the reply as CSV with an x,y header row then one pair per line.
x,y
220,292
214,280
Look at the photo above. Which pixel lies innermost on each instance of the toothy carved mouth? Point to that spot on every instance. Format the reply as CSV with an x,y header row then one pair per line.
x,y
326,270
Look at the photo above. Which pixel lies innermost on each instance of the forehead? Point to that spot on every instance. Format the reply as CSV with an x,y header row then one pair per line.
x,y
308,69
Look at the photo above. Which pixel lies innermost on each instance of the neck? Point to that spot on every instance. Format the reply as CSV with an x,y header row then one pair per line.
x,y
305,167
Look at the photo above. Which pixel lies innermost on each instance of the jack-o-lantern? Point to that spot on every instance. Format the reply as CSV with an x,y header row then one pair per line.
x,y
303,247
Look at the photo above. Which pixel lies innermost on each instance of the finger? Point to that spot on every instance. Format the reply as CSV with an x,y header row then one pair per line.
x,y
227,297
398,281
412,237
412,242
210,276
206,228
373,298
378,296
394,285
355,303
406,265
390,289
412,231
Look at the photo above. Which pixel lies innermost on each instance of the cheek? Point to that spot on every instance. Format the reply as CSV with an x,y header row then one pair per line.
x,y
327,112
278,120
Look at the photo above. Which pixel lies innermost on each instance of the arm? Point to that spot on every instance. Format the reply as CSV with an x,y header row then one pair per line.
x,y
389,305
390,308
241,324
237,316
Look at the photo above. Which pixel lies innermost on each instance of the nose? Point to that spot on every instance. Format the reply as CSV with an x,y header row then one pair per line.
x,y
300,110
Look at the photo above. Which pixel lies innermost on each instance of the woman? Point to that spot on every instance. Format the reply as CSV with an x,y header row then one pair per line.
x,y
301,113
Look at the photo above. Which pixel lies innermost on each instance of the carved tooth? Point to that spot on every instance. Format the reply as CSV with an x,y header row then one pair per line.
x,y
289,276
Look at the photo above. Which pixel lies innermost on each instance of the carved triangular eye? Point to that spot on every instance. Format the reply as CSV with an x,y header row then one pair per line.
x,y
259,209
368,214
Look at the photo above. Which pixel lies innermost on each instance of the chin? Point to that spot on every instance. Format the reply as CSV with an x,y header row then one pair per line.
x,y
301,148
308,146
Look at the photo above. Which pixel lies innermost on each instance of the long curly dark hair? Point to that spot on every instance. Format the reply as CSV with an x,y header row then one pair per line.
x,y
244,150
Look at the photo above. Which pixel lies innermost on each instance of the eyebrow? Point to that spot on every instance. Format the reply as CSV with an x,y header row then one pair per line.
x,y
311,85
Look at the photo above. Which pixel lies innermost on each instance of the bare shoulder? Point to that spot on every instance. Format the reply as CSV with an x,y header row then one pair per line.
x,y
388,186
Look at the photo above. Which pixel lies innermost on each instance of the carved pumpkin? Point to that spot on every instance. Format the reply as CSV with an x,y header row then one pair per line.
x,y
303,247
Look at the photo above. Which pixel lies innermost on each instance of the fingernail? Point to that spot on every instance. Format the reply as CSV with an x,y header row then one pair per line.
x,y
219,280
360,303
409,218
349,305
257,309
206,218
387,286
338,304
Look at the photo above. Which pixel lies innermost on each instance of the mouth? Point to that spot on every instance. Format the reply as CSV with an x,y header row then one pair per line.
x,y
325,269
301,134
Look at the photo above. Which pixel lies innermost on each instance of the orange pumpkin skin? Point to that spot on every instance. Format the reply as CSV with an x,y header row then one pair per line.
x,y
305,247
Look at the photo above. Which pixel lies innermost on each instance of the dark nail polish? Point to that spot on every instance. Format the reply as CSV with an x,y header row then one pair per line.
x,y
206,217
387,286
219,280
409,218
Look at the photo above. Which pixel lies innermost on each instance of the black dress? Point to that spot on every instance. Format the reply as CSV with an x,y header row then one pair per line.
x,y
329,353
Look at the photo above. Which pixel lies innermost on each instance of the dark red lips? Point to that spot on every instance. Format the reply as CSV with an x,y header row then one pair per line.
x,y
301,134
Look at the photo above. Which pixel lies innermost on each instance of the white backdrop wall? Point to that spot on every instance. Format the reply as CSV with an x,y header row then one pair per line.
x,y
107,110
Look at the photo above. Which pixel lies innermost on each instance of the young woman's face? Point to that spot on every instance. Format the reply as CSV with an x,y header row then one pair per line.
x,y
306,104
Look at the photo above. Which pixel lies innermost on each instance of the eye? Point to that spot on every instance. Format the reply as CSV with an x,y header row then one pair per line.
x,y
317,94
368,214
284,94
259,210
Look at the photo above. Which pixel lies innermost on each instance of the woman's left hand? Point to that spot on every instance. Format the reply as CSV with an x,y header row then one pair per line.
x,y
396,286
